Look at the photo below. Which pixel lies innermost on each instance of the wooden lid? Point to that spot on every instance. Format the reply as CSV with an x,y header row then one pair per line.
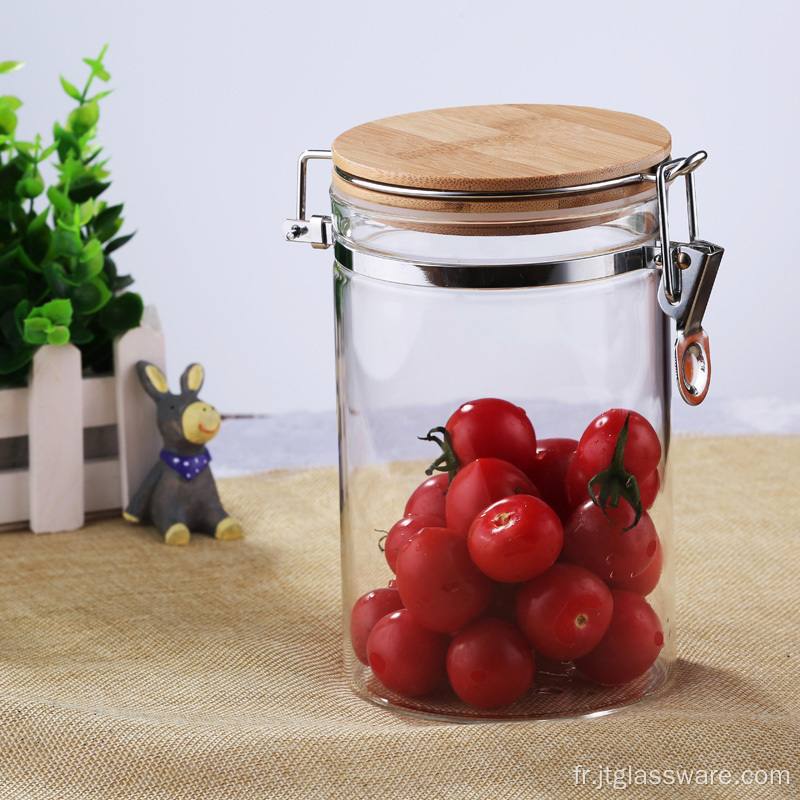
x,y
501,148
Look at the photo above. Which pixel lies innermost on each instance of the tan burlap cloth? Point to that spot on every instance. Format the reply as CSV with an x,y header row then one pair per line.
x,y
133,670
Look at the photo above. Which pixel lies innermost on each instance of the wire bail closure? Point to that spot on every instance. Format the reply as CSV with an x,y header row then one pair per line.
x,y
317,231
688,271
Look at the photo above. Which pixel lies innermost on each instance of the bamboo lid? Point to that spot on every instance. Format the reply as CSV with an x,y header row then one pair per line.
x,y
499,148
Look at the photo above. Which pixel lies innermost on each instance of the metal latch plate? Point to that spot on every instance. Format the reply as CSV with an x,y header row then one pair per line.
x,y
317,231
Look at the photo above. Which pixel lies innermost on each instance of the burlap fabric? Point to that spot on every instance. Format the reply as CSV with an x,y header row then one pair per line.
x,y
133,670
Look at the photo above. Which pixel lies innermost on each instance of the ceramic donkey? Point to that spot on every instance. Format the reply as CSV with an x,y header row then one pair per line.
x,y
179,495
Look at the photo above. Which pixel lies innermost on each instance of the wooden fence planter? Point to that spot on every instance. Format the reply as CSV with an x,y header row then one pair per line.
x,y
72,445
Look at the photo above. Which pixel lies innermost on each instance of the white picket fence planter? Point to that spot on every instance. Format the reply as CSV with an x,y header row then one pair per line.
x,y
58,487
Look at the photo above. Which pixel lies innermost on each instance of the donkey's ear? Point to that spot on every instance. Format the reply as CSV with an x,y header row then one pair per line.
x,y
153,380
192,378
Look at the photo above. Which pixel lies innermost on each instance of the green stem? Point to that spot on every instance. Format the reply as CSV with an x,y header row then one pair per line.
x,y
448,460
616,482
91,76
86,89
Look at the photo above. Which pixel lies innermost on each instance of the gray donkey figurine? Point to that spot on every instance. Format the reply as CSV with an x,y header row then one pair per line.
x,y
179,494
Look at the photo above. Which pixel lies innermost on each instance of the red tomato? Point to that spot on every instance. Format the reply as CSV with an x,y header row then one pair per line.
x,y
576,485
549,470
515,538
368,609
564,612
606,548
405,657
492,428
631,645
429,498
645,582
479,484
402,531
438,582
648,490
490,664
596,447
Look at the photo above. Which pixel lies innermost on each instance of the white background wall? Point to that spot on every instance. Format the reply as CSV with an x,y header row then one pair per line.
x,y
213,101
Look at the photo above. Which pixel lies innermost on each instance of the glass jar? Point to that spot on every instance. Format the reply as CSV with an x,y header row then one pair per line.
x,y
491,349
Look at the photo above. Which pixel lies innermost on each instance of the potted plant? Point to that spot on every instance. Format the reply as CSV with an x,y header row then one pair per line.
x,y
64,311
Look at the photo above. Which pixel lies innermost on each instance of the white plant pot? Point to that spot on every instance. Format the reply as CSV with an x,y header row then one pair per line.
x,y
59,486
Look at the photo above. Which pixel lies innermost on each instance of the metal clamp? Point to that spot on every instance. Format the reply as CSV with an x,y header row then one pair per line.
x,y
687,276
688,269
317,231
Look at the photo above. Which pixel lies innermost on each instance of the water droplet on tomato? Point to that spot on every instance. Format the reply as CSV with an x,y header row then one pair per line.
x,y
658,639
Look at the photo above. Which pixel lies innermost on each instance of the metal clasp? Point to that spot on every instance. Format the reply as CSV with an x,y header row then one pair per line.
x,y
317,231
687,276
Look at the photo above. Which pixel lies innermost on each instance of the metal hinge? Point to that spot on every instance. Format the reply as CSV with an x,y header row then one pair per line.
x,y
688,271
317,231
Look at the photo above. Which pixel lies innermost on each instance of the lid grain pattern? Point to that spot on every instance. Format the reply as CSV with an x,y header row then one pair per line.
x,y
502,147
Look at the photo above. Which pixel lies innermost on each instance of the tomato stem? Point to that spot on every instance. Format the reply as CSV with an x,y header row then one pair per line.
x,y
447,461
615,482
382,540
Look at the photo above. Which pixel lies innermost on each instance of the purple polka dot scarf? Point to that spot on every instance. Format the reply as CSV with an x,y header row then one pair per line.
x,y
187,467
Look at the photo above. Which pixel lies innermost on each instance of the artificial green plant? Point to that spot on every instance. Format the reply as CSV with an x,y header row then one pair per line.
x,y
58,281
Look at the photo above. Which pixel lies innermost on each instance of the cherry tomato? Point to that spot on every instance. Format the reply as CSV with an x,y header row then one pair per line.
x,y
490,664
549,470
596,447
402,531
368,609
429,498
604,546
405,657
564,612
515,538
648,490
646,581
479,484
438,582
576,485
492,428
631,645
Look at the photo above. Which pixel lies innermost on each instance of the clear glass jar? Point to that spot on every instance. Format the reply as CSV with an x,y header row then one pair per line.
x,y
555,312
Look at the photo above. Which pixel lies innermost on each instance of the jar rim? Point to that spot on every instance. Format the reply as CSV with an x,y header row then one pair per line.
x,y
435,249
493,218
